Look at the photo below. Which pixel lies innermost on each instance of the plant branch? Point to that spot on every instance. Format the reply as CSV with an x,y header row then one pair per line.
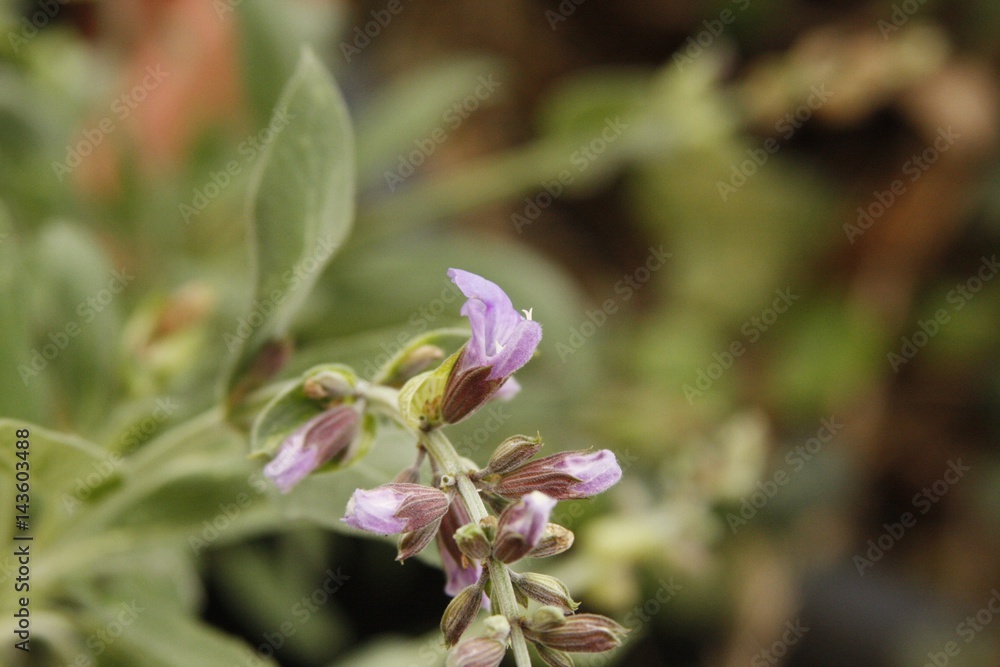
x,y
441,450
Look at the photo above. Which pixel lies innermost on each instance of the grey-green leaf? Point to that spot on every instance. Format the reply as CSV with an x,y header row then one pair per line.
x,y
302,207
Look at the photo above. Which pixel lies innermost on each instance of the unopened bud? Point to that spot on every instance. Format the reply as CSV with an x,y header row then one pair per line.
x,y
555,540
413,363
412,543
546,618
461,611
582,633
497,627
472,541
552,657
512,453
545,589
478,652
328,383
521,526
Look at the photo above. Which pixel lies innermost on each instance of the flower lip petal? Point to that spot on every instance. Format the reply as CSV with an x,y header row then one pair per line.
x,y
291,465
597,471
502,337
375,511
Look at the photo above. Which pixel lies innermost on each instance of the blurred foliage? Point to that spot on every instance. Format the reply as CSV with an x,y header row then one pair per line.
x,y
143,493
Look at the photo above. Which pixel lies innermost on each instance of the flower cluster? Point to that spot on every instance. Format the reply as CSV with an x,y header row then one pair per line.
x,y
483,520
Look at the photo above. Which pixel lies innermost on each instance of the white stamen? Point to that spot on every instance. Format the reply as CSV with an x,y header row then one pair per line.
x,y
527,313
499,348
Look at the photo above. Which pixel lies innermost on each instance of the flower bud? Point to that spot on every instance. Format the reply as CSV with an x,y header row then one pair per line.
x,y
545,618
521,526
555,540
511,453
497,627
473,542
545,589
478,652
413,542
582,633
328,435
413,363
552,657
462,610
564,476
395,508
329,382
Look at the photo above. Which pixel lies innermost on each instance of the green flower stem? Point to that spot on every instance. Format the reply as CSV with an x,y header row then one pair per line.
x,y
440,448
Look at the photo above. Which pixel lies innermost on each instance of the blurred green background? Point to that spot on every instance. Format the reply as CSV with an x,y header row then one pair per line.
x,y
761,238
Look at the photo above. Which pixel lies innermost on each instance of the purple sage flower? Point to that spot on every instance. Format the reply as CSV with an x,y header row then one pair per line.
x,y
459,570
521,526
563,476
326,436
395,508
503,340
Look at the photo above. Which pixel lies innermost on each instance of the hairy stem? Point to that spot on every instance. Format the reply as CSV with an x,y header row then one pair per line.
x,y
441,450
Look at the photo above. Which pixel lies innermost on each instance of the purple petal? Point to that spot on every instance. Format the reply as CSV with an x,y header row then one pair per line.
x,y
597,472
457,577
507,390
518,349
292,463
502,337
375,511
528,517
316,442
